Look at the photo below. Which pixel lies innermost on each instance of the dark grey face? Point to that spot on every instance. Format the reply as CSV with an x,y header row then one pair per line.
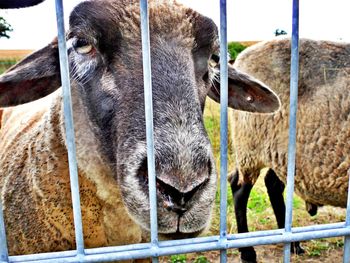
x,y
106,62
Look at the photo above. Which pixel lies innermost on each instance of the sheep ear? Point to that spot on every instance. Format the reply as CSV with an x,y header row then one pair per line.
x,y
246,93
4,4
32,78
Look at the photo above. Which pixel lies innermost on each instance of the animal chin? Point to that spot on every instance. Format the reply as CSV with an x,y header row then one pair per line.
x,y
180,235
178,228
170,224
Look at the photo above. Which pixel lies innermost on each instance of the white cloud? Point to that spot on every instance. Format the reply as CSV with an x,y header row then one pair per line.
x,y
33,27
247,20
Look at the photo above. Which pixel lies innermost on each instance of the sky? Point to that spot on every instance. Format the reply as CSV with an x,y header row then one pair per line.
x,y
248,20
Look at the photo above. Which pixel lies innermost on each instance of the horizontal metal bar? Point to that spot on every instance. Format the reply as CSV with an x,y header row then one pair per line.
x,y
43,256
178,247
250,234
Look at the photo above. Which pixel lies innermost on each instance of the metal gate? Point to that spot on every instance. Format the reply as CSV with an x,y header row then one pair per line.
x,y
157,248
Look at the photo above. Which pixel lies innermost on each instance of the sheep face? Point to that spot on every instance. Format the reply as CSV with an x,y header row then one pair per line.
x,y
104,47
106,63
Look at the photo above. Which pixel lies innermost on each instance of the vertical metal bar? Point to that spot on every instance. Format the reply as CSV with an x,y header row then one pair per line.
x,y
147,78
294,71
69,125
223,126
346,257
3,243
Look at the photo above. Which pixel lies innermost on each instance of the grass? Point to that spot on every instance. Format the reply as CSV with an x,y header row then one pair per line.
x,y
178,259
184,259
5,64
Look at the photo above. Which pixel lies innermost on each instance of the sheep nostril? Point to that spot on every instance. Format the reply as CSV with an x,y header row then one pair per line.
x,y
171,197
173,207
188,196
175,200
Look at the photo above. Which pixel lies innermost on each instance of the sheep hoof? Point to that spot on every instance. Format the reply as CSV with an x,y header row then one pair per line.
x,y
297,249
311,208
248,255
245,261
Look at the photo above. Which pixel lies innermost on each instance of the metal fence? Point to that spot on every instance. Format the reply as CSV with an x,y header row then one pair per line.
x,y
157,248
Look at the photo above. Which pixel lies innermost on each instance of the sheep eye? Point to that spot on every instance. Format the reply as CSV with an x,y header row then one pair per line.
x,y
214,60
82,46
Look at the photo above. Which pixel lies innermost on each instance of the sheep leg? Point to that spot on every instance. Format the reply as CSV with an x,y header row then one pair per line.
x,y
241,195
275,188
311,208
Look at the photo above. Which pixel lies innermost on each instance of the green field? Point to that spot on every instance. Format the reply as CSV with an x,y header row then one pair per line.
x,y
5,64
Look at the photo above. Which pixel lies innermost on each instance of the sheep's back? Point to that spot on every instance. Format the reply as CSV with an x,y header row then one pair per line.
x,y
323,127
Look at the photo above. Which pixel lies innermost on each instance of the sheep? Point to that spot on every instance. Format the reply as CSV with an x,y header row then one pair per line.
x,y
104,49
322,158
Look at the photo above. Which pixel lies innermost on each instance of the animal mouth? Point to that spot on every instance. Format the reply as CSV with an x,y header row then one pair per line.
x,y
179,235
168,193
172,203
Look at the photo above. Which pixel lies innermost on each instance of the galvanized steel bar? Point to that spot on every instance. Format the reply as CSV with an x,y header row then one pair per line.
x,y
69,125
147,79
3,241
223,127
294,74
249,239
346,256
173,243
